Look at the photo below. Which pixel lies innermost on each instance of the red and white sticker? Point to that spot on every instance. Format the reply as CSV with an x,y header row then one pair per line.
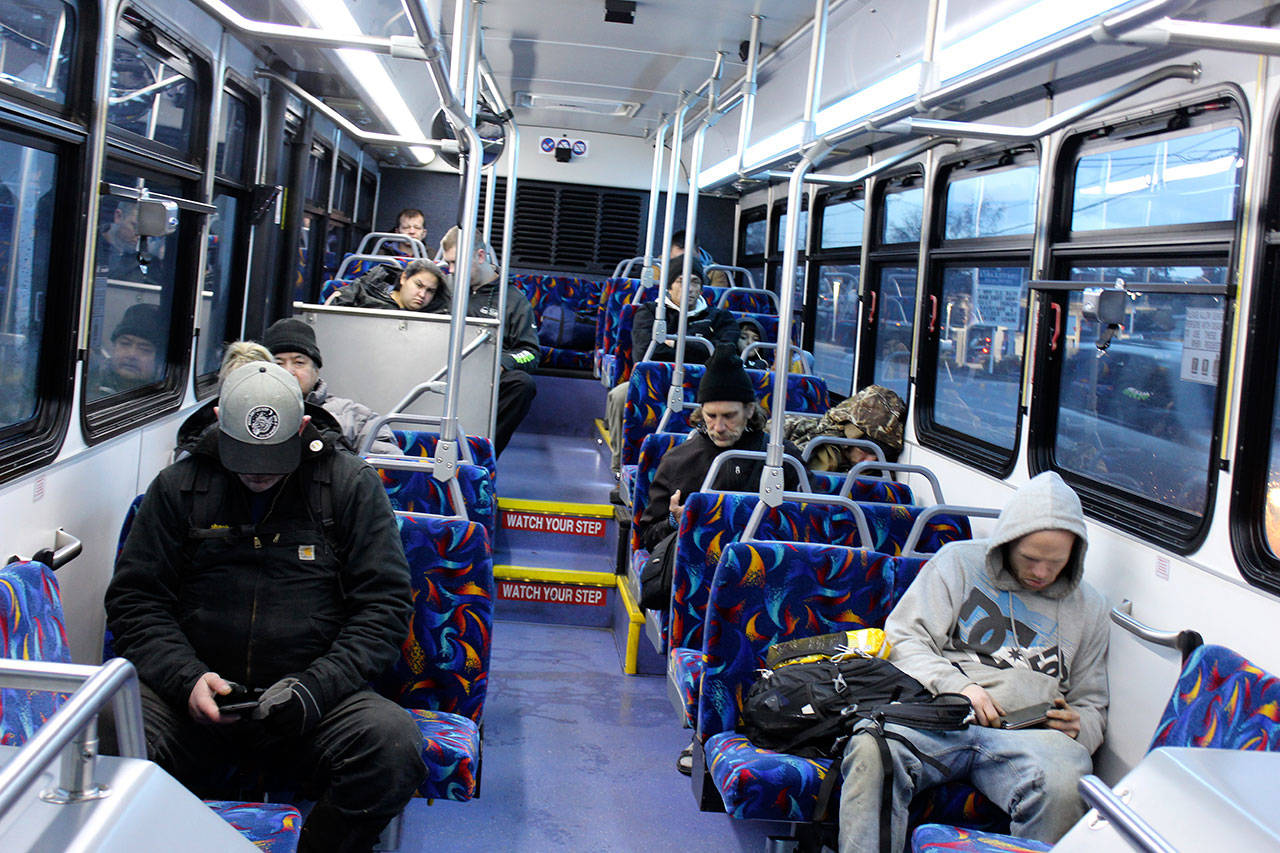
x,y
551,593
543,523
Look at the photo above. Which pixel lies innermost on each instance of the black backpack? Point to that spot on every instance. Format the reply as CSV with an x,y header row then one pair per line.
x,y
811,708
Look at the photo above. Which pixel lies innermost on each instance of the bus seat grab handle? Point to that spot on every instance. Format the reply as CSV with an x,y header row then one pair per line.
x,y
1127,823
65,549
1057,326
1185,642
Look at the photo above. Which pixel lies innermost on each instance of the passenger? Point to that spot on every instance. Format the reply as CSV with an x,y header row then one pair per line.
x,y
293,344
1010,623
266,519
240,353
716,278
420,286
750,331
715,324
119,245
875,414
520,349
136,356
411,223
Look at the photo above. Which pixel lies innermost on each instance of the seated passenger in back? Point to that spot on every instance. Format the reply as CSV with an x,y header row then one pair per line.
x,y
420,286
293,344
270,559
875,414
716,278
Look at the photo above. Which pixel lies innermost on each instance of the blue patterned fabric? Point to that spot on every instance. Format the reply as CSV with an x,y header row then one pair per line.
x,y
762,784
31,628
647,399
359,268
935,838
685,668
769,323
565,359
444,662
422,445
1221,701
866,489
580,295
746,301
891,526
330,287
621,356
615,293
418,491
451,750
652,450
272,827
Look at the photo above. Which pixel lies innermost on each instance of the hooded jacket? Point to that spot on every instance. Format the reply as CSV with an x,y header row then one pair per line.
x,y
260,589
967,620
373,290
717,325
354,421
520,347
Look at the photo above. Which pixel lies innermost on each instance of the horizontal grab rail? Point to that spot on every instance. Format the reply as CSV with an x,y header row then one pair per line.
x,y
857,470
1185,641
718,463
864,529
918,528
819,440
1129,824
65,549
409,418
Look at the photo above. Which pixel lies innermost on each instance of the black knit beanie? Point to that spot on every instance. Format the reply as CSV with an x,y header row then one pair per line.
x,y
292,335
142,321
677,269
725,379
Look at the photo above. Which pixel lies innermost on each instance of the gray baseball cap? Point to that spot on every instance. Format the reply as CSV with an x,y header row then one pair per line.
x,y
259,415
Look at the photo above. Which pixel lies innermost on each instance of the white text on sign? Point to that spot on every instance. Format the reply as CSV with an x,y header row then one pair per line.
x,y
540,523
551,593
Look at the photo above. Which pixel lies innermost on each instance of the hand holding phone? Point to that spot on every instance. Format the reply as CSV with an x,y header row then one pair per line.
x,y
240,698
1026,718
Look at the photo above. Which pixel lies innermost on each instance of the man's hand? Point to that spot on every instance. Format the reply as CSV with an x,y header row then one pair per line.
x,y
1064,718
288,707
674,506
201,705
985,709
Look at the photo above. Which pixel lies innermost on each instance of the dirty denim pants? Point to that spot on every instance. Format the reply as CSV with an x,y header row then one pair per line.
x,y
1031,774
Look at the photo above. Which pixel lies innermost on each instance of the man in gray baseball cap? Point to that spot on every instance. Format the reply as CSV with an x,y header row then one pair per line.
x,y
265,570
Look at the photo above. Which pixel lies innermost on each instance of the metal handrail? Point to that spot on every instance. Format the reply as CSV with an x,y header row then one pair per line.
x,y
819,440
1185,641
432,383
349,260
1130,825
366,443
757,514
718,463
671,336
115,681
760,345
410,463
751,280
918,528
724,295
383,239
857,470
65,549
624,267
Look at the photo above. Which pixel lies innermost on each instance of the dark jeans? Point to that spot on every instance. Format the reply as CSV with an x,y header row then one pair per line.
x,y
362,763
516,391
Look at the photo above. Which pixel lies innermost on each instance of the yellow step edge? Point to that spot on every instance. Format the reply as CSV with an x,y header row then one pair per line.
x,y
635,626
575,576
565,507
604,432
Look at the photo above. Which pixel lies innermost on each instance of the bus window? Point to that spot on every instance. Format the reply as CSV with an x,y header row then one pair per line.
x,y
234,141
903,211
27,180
35,46
995,204
153,93
836,326
888,325
215,298
895,321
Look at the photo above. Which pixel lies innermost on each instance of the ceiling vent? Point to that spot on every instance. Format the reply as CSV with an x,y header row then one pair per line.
x,y
575,104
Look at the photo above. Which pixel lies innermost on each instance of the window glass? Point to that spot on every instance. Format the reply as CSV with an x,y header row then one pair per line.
x,y
903,212
992,204
981,324
36,37
27,181
302,272
133,290
842,223
335,239
895,322
1171,181
215,297
344,195
151,97
755,237
232,142
1140,416
318,176
781,242
835,337
368,193
1271,510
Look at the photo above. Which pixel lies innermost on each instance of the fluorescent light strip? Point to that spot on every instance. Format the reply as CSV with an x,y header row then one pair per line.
x,y
1037,21
369,73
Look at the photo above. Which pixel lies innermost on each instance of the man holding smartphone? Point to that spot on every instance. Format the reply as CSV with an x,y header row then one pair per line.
x,y
1009,622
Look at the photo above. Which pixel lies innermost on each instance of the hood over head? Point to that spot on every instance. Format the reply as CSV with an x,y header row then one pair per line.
x,y
1045,503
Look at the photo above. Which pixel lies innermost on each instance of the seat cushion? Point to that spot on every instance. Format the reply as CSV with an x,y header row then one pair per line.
x,y
451,750
762,784
936,838
565,359
686,672
272,827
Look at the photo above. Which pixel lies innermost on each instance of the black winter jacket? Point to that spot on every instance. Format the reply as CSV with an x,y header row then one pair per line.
x,y
685,466
715,324
373,290
520,347
257,602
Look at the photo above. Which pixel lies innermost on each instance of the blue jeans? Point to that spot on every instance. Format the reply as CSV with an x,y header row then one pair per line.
x,y
1031,774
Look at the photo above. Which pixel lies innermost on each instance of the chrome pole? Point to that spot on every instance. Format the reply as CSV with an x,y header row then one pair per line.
x,y
655,193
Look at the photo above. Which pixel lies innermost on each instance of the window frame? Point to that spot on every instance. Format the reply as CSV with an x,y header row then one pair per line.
x,y
1004,251
821,256
79,100
755,260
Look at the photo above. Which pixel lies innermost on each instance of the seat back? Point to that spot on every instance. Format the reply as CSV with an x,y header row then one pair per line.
x,y
651,452
891,525
419,491
423,446
1221,701
615,293
868,489
767,592
444,662
744,299
32,627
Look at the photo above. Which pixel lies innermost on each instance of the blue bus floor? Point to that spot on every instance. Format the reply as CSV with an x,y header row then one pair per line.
x,y
576,758
548,467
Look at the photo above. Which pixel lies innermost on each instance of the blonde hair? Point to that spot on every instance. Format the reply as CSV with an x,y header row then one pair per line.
x,y
240,353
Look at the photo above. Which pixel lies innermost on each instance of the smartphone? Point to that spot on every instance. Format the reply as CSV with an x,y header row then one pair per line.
x,y
240,698
1026,718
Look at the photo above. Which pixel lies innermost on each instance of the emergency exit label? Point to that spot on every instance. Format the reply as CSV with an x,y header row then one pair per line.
x,y
541,523
551,593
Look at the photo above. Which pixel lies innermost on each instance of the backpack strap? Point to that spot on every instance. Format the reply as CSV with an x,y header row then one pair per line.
x,y
320,493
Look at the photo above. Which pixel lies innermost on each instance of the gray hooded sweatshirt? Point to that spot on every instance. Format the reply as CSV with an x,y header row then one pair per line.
x,y
966,619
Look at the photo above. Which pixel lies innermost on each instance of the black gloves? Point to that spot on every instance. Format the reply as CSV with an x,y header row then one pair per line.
x,y
289,707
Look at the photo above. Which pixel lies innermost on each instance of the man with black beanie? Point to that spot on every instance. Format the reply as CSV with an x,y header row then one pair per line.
x,y
136,355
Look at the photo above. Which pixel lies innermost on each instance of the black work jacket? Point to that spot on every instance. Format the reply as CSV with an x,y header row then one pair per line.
x,y
685,466
257,602
520,347
717,325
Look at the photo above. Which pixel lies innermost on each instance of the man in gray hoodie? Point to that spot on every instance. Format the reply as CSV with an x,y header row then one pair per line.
x,y
1008,622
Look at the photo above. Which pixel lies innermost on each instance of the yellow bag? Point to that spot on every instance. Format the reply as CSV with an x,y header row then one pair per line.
x,y
865,643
